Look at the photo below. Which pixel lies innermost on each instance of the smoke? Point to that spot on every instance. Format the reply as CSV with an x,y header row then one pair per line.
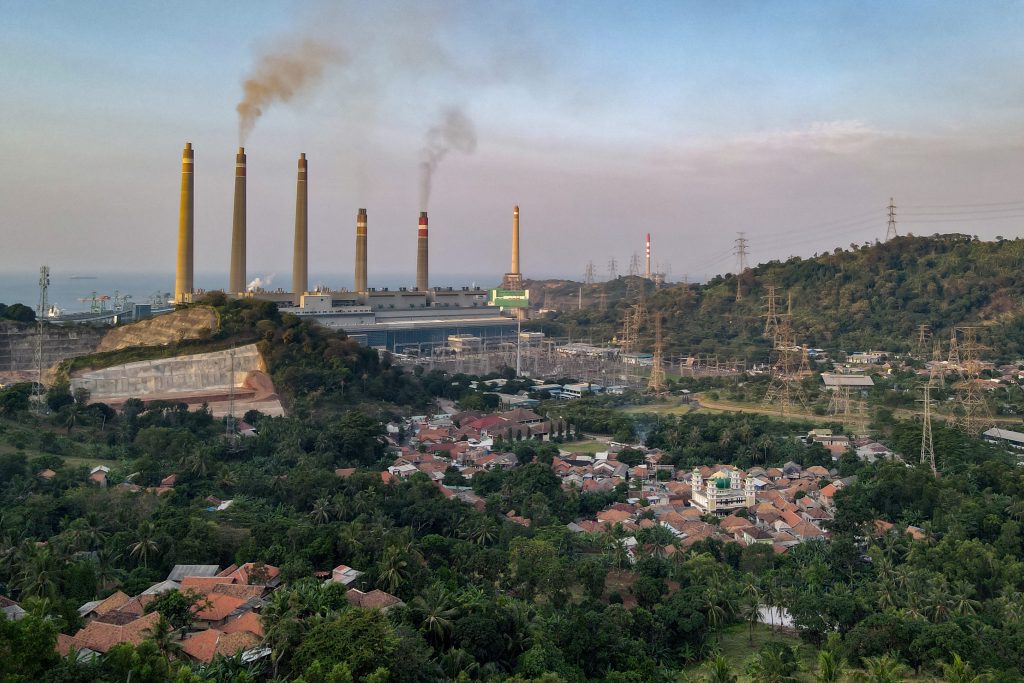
x,y
454,131
259,283
280,75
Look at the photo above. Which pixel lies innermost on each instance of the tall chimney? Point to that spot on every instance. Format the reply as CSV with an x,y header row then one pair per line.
x,y
236,278
361,251
183,276
421,254
648,256
300,259
515,239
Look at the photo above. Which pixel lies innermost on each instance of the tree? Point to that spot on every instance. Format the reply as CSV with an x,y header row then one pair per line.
x,y
178,608
883,669
358,638
162,635
27,648
145,545
435,610
718,670
831,667
959,671
394,569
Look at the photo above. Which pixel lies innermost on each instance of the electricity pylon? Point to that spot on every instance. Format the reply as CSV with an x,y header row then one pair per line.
x,y
771,315
741,258
656,382
927,444
890,231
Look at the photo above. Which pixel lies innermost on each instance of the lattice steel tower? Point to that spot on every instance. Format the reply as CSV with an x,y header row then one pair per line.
x,y
890,231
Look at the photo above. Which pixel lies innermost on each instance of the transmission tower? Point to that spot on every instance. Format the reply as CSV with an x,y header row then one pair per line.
x,y
635,269
973,415
635,316
656,383
588,276
613,269
953,360
44,288
603,302
785,390
771,316
890,231
936,373
741,258
927,444
920,346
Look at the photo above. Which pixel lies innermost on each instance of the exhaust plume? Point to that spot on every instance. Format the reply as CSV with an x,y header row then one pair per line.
x,y
280,75
259,283
454,131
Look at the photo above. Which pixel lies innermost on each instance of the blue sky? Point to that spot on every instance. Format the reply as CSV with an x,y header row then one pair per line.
x,y
792,121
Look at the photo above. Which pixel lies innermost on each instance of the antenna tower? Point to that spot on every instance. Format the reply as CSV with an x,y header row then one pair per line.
x,y
741,257
656,383
927,445
588,275
890,231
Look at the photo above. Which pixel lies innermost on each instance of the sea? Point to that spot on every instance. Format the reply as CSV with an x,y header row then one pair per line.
x,y
74,291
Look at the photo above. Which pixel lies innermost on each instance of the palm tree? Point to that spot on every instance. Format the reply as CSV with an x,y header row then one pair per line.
x,y
718,670
107,573
962,603
321,512
482,532
162,635
884,669
750,610
959,671
41,572
830,667
769,667
145,546
436,611
394,570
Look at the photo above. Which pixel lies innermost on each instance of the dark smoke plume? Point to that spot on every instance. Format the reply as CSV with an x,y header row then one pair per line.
x,y
279,76
453,131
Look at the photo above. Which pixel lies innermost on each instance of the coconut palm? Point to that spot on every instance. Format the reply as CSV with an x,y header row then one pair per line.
x,y
394,570
145,545
718,670
959,671
831,667
41,572
481,532
962,603
107,572
163,636
884,669
435,609
321,512
769,666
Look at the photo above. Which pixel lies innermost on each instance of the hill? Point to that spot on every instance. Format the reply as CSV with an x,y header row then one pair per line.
x,y
872,296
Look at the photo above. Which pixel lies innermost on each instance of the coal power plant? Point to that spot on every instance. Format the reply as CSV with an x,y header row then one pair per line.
x,y
408,319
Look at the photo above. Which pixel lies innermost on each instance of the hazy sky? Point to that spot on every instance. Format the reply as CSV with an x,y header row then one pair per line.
x,y
792,121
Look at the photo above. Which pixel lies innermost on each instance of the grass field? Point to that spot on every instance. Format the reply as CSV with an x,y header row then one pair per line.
x,y
584,446
75,461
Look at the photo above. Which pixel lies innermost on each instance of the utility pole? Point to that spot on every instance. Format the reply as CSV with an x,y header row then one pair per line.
x,y
741,257
890,231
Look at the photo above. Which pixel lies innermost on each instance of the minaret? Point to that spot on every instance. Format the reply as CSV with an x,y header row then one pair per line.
x,y
183,286
360,285
421,253
300,258
236,278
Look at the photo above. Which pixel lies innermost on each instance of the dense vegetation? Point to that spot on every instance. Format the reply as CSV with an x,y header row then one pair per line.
x,y
871,296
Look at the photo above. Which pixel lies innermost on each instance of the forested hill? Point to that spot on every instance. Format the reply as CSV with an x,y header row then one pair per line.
x,y
864,297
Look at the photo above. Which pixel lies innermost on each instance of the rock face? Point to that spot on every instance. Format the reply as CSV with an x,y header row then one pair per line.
x,y
195,322
18,346
230,380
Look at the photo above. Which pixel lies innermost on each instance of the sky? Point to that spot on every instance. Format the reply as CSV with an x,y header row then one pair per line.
x,y
792,122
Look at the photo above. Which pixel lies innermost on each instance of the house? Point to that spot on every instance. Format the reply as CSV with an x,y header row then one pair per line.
x,y
218,609
204,646
375,599
12,610
100,637
344,574
47,474
1005,437
98,475
722,493
180,571
98,608
752,535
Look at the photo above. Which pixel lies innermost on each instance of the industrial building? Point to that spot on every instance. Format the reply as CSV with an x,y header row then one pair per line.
x,y
398,320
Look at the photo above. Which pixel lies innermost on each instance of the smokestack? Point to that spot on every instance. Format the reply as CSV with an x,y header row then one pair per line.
x,y
421,254
183,276
515,239
361,251
648,256
300,259
236,278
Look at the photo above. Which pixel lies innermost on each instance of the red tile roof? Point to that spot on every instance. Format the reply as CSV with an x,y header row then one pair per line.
x,y
101,637
204,646
219,607
250,621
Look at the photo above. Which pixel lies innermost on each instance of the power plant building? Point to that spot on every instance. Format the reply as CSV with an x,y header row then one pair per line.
x,y
393,319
